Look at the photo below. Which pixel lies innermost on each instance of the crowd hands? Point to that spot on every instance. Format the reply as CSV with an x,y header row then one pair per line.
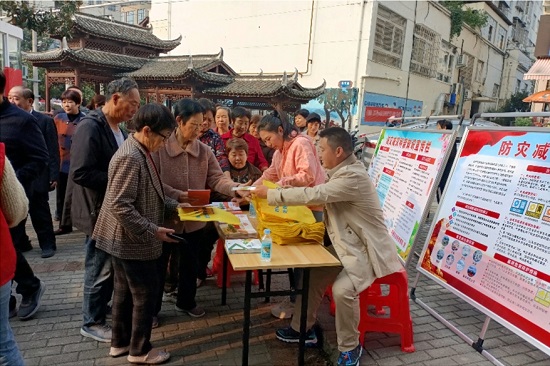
x,y
121,171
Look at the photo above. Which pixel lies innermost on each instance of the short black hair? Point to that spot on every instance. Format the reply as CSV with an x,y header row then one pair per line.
x,y
27,94
302,112
186,108
338,137
71,94
2,82
445,124
240,112
154,115
207,105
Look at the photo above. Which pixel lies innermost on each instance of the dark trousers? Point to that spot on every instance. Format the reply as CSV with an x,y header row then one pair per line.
x,y
61,191
188,269
27,282
19,236
205,251
41,218
135,287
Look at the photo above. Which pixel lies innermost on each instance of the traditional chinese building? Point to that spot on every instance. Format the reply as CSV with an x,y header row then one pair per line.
x,y
101,50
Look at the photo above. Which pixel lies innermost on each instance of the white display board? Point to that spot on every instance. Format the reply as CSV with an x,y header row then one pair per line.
x,y
490,239
405,170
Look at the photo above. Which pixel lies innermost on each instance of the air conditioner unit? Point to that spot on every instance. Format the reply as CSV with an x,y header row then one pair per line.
x,y
467,94
462,60
25,71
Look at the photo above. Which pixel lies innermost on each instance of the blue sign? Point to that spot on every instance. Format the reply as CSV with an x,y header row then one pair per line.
x,y
410,107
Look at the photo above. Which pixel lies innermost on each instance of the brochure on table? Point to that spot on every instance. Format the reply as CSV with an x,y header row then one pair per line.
x,y
405,170
490,239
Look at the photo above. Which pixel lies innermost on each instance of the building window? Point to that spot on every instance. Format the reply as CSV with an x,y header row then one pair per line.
x,y
446,63
14,52
130,17
389,37
111,7
426,44
490,34
141,15
496,89
518,86
479,70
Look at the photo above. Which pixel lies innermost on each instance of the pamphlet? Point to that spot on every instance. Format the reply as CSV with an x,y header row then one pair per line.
x,y
235,246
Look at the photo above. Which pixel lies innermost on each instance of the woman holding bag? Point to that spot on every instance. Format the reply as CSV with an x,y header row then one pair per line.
x,y
296,164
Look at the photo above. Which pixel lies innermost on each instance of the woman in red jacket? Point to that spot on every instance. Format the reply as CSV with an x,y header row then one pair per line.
x,y
13,209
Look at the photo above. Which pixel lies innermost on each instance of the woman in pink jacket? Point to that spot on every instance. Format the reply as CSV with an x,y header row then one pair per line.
x,y
295,163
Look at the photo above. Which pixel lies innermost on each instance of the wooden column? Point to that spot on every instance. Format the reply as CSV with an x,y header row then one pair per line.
x,y
97,87
47,92
77,77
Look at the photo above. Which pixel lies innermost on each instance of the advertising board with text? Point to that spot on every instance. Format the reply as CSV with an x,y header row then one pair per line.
x,y
490,239
404,170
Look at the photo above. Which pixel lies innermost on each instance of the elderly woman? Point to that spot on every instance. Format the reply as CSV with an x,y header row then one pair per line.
x,y
129,228
222,120
185,163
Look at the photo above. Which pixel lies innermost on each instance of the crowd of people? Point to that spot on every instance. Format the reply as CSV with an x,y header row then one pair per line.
x,y
121,188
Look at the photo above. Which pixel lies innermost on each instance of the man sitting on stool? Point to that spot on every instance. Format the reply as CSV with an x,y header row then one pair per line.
x,y
356,235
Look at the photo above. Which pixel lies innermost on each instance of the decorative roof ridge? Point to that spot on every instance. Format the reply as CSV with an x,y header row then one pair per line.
x,y
185,57
110,21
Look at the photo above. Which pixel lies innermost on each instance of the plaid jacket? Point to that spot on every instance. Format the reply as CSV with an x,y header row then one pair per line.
x,y
134,206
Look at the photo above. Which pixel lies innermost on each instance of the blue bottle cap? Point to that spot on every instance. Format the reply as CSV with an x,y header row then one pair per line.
x,y
267,231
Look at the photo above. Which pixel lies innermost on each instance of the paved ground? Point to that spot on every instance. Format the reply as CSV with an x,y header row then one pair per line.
x,y
53,338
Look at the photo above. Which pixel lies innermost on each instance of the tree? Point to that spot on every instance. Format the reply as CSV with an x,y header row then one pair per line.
x,y
513,104
339,101
44,22
459,15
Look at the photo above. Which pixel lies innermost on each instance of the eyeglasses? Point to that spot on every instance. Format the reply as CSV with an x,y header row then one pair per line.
x,y
161,135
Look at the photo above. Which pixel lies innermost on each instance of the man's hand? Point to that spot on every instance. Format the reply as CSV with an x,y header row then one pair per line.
x,y
261,191
183,198
161,234
53,185
184,204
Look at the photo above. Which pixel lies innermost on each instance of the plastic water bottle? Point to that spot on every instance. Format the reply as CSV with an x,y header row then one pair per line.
x,y
266,246
251,210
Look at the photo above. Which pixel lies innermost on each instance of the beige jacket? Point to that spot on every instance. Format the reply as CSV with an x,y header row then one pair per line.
x,y
13,201
353,219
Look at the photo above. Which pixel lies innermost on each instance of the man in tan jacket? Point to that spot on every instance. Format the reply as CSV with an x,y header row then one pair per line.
x,y
356,234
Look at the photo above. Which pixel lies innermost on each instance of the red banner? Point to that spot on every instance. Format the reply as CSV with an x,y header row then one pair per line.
x,y
377,114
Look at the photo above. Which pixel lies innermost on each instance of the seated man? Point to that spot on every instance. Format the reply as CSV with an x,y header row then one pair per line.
x,y
355,233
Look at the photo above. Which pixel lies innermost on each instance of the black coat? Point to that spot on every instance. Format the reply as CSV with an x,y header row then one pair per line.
x,y
25,145
51,173
92,148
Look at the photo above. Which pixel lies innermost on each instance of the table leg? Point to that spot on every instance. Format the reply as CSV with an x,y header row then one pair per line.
x,y
303,316
224,277
267,284
246,321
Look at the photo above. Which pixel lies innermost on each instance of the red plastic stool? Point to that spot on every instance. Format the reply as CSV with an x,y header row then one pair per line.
x,y
217,267
397,300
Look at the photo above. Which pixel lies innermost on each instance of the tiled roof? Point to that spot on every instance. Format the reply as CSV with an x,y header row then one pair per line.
x,y
266,86
119,31
181,67
87,56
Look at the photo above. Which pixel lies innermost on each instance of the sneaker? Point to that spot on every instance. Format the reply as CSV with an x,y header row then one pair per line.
x,y
196,312
29,306
118,351
154,357
283,310
47,253
350,358
63,231
170,296
101,333
289,335
155,323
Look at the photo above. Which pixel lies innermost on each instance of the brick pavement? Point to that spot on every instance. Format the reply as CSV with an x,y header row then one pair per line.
x,y
52,337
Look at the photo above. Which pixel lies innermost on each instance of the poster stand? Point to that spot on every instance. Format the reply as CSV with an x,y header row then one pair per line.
x,y
504,312
391,147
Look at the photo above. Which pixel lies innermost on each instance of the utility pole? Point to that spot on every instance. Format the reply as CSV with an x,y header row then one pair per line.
x,y
35,79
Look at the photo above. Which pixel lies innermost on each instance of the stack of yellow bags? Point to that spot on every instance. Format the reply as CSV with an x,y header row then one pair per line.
x,y
288,224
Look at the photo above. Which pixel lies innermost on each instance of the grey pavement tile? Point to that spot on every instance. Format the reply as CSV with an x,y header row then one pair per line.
x,y
389,361
56,359
444,361
415,357
518,359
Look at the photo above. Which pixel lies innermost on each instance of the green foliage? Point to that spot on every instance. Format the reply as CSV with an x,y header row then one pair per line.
x,y
523,121
514,104
459,14
339,101
24,15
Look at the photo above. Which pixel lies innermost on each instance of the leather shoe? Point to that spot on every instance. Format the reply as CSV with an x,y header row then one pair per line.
x,y
63,231
47,253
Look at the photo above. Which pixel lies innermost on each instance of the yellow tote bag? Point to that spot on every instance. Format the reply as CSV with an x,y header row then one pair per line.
x,y
281,213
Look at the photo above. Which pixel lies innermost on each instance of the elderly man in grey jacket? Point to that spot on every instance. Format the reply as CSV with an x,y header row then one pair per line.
x,y
355,233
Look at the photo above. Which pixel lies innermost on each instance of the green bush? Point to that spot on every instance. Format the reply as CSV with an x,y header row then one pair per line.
x,y
523,121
